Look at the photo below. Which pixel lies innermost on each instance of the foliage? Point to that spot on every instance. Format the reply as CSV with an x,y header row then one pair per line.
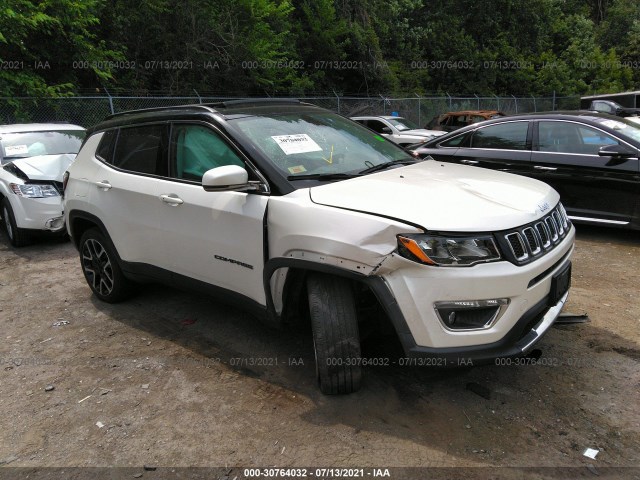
x,y
285,47
39,42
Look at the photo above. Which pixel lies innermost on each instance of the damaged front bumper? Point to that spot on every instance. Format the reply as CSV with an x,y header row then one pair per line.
x,y
519,304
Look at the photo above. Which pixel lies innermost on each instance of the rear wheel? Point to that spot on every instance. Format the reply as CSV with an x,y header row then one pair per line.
x,y
101,269
17,236
335,334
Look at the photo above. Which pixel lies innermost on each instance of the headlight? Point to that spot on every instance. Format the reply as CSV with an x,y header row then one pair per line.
x,y
448,251
32,190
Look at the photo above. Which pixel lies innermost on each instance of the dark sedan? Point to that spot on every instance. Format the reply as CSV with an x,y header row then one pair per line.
x,y
591,159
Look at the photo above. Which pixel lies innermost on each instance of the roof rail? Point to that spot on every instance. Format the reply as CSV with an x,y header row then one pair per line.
x,y
255,101
208,108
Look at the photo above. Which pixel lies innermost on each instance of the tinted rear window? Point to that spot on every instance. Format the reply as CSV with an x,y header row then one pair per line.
x,y
140,149
508,136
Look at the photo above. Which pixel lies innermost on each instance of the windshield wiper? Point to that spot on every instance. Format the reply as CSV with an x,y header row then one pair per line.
x,y
323,176
385,165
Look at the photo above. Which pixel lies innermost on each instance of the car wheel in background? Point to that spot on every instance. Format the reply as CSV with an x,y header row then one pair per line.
x,y
17,236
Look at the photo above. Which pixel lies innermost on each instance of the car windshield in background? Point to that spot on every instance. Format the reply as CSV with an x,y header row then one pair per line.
x,y
31,144
318,144
403,124
623,127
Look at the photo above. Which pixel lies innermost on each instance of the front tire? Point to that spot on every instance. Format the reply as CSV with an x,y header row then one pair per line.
x,y
101,269
17,236
335,334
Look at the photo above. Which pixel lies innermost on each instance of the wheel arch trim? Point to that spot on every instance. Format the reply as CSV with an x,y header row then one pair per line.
x,y
376,283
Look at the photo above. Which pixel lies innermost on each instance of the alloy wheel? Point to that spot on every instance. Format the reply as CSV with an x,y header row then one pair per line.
x,y
97,267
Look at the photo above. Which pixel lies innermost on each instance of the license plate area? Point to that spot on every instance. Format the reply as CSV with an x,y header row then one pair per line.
x,y
560,283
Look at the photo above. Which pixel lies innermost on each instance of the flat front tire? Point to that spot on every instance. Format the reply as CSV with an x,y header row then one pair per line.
x,y
335,334
101,269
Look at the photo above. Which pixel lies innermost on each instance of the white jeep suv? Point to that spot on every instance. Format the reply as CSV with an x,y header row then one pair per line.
x,y
270,202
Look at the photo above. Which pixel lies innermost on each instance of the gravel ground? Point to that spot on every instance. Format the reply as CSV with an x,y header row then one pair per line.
x,y
171,379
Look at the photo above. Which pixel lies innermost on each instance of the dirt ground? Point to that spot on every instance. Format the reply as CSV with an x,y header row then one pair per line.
x,y
170,379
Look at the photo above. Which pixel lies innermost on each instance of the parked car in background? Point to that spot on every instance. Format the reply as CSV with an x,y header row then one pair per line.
x,y
450,121
295,213
33,158
591,159
613,108
398,129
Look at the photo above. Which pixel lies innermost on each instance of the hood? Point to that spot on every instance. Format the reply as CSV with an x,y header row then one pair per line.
x,y
45,167
423,132
443,196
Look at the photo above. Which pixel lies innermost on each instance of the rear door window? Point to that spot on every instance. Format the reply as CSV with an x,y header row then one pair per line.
x,y
142,150
504,136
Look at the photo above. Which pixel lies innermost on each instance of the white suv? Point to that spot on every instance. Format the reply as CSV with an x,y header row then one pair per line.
x,y
33,158
270,202
398,129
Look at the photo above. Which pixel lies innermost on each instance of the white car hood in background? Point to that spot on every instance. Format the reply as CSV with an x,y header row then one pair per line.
x,y
443,196
45,167
423,133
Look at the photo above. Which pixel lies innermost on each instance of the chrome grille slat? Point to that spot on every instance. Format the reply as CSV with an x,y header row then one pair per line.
x,y
552,228
539,238
532,240
543,232
556,216
517,246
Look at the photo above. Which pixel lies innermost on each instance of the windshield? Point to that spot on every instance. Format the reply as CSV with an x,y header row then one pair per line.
x,y
403,124
322,143
31,144
623,127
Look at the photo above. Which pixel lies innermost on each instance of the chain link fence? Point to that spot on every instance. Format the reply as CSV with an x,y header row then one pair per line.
x,y
88,111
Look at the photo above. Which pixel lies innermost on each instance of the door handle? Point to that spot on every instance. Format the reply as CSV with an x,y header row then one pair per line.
x,y
103,184
470,162
171,199
539,167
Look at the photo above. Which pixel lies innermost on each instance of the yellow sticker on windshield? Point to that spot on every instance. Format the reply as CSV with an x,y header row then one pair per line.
x,y
297,169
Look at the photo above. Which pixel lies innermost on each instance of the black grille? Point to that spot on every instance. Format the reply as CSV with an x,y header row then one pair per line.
x,y
517,247
524,244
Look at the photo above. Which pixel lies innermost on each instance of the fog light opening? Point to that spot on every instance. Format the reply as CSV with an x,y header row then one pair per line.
x,y
470,314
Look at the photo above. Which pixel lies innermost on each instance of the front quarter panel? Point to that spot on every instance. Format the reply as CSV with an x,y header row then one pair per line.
x,y
353,241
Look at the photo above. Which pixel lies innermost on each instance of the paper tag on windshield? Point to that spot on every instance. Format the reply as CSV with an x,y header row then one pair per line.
x,y
300,143
11,150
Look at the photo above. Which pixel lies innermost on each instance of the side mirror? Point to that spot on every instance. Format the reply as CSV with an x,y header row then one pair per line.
x,y
617,151
227,178
387,130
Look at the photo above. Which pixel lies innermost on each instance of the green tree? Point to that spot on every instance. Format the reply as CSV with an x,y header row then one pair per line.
x,y
43,39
